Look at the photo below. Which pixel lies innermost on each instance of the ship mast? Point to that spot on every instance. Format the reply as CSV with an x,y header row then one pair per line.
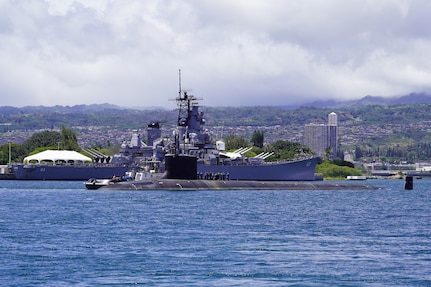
x,y
184,103
189,118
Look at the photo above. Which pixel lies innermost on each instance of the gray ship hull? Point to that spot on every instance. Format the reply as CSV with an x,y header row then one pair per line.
x,y
301,170
66,172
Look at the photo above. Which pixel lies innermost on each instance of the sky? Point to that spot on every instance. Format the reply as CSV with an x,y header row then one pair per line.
x,y
230,52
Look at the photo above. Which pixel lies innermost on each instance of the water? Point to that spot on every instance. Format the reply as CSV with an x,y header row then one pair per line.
x,y
60,234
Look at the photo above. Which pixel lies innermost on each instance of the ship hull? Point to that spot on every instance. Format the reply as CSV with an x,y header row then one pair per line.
x,y
301,170
58,172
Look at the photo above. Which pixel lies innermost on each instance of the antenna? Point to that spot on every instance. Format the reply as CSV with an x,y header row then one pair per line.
x,y
179,82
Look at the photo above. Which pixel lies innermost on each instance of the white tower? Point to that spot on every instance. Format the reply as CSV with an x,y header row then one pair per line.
x,y
332,134
332,119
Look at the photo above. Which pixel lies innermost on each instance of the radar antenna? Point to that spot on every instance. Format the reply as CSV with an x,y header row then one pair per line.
x,y
185,102
179,82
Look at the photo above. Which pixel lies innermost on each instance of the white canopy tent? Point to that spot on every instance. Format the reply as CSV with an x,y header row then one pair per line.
x,y
57,157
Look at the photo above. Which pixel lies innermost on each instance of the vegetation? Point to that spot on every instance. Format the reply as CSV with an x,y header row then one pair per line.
x,y
395,149
234,142
286,150
257,138
46,139
115,117
336,169
38,142
4,152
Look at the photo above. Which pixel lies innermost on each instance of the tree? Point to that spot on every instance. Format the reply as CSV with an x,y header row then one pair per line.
x,y
14,152
41,139
286,150
235,142
328,152
69,140
358,152
257,138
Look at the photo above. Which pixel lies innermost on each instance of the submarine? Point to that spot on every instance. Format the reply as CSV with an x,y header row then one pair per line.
x,y
181,175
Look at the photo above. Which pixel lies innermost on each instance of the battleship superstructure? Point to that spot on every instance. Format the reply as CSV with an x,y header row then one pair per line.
x,y
214,160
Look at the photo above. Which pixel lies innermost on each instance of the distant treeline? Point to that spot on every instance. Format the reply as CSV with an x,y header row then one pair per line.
x,y
410,153
34,118
408,145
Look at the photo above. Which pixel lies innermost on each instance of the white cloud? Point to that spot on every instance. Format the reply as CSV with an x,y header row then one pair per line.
x,y
231,52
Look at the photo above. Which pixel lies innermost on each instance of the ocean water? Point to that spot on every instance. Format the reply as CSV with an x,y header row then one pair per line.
x,y
60,234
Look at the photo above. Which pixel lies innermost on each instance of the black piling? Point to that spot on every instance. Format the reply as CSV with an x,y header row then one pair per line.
x,y
409,182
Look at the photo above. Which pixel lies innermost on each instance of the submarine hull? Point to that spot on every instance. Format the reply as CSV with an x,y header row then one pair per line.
x,y
196,184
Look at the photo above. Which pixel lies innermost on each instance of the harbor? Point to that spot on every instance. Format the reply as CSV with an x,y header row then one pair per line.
x,y
224,237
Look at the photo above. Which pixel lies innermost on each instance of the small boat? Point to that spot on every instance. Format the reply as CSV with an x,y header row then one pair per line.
x,y
95,183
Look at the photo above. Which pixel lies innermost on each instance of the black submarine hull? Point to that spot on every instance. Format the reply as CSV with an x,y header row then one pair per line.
x,y
197,184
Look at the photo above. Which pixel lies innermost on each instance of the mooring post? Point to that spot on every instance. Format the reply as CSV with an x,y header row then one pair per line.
x,y
409,182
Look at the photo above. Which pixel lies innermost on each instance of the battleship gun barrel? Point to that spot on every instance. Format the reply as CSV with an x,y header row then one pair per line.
x,y
267,155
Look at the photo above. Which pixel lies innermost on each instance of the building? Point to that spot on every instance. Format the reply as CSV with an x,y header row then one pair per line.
x,y
332,134
320,137
316,138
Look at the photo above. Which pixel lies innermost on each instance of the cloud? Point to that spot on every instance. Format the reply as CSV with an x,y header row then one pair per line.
x,y
231,52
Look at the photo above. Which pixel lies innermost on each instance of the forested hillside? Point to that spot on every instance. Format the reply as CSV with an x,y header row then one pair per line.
x,y
391,131
118,118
